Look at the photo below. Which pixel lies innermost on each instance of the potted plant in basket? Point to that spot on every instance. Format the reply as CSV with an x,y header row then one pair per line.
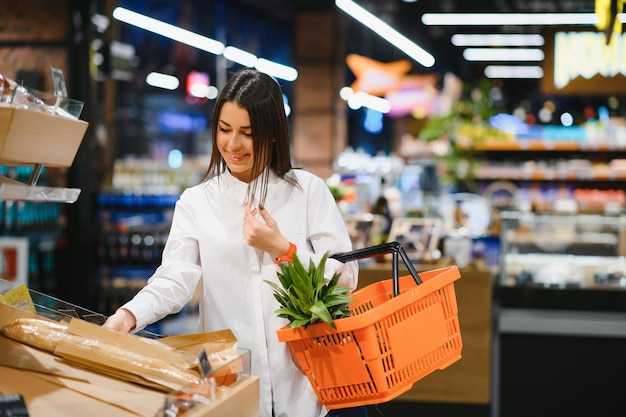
x,y
307,297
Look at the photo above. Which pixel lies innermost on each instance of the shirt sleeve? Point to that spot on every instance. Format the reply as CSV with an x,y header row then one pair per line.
x,y
328,233
174,282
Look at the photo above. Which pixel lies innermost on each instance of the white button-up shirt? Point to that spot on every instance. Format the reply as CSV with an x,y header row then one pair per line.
x,y
206,242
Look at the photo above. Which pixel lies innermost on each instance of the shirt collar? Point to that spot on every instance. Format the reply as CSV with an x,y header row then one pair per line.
x,y
238,188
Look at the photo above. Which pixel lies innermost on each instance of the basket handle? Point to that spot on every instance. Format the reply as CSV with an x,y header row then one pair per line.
x,y
395,248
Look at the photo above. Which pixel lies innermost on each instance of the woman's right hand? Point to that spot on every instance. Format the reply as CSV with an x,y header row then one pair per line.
x,y
122,321
264,235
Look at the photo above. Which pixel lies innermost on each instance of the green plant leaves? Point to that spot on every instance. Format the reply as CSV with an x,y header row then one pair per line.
x,y
306,297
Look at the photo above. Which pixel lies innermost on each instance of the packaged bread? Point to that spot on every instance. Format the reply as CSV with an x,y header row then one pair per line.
x,y
113,359
38,333
105,357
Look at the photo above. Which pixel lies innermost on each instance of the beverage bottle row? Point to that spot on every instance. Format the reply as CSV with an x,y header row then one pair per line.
x,y
133,246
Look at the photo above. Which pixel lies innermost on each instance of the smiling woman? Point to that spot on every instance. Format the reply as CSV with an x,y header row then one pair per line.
x,y
284,211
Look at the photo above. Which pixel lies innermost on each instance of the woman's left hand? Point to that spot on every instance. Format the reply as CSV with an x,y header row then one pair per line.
x,y
264,235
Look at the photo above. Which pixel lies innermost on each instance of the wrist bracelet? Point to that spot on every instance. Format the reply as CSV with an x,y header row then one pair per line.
x,y
288,257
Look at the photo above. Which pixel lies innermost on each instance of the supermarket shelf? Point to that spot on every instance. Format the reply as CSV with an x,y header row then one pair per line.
x,y
486,173
11,189
547,145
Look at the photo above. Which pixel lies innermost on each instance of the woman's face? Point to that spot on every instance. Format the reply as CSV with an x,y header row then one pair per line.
x,y
234,140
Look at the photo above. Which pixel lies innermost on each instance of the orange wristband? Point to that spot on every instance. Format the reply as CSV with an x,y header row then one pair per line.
x,y
288,257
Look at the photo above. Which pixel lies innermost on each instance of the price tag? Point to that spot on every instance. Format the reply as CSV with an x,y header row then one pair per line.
x,y
20,297
203,360
58,79
12,405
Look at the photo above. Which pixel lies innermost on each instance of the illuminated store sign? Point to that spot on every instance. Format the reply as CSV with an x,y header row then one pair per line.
x,y
584,63
586,54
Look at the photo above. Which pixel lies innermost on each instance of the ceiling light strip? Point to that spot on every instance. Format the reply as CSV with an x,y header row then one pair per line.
x,y
240,56
204,43
511,71
386,32
503,54
499,19
169,31
361,99
278,70
516,39
160,80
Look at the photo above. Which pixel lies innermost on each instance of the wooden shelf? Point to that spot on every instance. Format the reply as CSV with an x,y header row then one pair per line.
x,y
546,145
518,174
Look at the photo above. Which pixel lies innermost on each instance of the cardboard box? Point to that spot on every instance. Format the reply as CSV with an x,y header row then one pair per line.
x,y
47,396
34,137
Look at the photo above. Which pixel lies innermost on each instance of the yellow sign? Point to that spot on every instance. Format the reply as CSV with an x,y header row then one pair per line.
x,y
19,297
607,11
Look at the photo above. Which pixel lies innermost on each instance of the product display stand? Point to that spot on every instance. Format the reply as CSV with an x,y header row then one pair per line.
x,y
11,189
38,128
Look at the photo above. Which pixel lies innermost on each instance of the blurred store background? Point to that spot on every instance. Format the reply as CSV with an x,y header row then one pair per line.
x,y
492,136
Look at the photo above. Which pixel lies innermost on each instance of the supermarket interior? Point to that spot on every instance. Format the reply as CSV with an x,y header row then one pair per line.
x,y
486,135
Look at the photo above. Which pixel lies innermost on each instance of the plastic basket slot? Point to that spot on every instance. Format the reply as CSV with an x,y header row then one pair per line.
x,y
450,299
453,329
453,353
361,308
352,392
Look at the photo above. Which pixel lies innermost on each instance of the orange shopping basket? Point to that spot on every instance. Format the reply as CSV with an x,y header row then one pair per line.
x,y
401,330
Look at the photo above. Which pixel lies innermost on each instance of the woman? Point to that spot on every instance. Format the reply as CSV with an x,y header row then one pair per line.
x,y
251,211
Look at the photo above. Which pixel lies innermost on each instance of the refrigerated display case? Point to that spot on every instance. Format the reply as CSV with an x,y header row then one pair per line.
x,y
560,309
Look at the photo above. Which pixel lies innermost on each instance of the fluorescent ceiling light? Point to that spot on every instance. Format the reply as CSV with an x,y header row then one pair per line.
x,y
213,92
500,19
277,70
199,90
169,31
497,40
507,71
387,32
204,43
503,54
157,79
346,92
361,99
240,56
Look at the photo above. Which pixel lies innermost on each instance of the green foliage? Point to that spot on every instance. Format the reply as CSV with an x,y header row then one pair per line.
x,y
466,127
306,297
337,191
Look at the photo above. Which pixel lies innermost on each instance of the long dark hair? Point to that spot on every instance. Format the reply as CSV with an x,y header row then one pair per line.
x,y
262,97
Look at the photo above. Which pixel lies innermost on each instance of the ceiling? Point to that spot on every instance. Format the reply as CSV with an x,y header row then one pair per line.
x,y
406,18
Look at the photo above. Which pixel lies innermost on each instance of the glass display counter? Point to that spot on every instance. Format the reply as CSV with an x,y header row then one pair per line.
x,y
563,251
560,313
